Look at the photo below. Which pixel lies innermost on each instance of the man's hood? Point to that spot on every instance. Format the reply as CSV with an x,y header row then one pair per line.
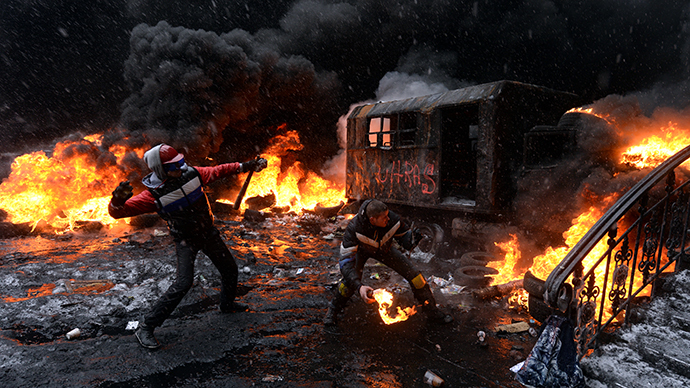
x,y
152,158
363,209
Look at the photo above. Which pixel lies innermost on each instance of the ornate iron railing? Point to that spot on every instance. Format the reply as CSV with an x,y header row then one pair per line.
x,y
597,291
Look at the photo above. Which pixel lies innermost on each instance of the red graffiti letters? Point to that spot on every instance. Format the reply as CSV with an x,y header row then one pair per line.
x,y
400,175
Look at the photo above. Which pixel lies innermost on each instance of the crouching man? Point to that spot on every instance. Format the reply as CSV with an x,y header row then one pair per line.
x,y
370,234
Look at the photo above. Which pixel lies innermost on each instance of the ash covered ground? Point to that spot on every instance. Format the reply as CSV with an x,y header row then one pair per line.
x,y
100,282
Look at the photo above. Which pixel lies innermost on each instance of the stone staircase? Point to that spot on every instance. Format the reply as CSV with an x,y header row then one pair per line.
x,y
654,350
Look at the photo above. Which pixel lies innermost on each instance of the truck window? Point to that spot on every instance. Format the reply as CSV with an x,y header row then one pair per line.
x,y
395,130
408,128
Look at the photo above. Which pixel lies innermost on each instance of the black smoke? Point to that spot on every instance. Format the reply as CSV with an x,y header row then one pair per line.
x,y
219,76
197,90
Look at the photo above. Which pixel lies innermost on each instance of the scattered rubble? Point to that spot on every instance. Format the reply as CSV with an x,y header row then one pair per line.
x,y
498,291
101,283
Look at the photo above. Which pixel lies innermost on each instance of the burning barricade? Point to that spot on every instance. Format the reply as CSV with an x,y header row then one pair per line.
x,y
69,190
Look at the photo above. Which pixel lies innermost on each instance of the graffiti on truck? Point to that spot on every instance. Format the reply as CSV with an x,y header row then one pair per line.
x,y
403,174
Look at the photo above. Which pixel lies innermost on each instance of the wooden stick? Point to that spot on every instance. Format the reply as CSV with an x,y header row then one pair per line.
x,y
243,190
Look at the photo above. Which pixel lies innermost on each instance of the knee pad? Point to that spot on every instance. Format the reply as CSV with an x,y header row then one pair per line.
x,y
343,290
418,282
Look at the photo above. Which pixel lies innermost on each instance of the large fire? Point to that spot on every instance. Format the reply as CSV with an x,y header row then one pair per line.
x,y
655,149
662,141
69,186
74,184
385,301
293,186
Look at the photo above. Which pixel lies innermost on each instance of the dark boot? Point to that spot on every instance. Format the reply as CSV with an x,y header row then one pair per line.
x,y
146,338
234,307
435,315
335,307
331,318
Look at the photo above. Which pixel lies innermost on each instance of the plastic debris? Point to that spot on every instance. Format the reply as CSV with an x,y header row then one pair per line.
x,y
452,289
132,325
74,333
272,378
432,379
515,368
440,282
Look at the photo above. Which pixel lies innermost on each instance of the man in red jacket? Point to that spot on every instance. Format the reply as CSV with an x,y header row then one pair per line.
x,y
175,192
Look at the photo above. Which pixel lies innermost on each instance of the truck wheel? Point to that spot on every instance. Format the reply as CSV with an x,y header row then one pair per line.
x,y
474,276
433,237
480,259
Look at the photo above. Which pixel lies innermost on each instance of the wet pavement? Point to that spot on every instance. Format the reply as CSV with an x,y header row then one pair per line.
x,y
101,282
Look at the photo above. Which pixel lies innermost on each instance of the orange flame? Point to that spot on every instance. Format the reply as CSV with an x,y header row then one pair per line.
x,y
655,149
74,185
63,188
385,301
46,289
294,187
543,265
506,269
519,298
662,138
591,112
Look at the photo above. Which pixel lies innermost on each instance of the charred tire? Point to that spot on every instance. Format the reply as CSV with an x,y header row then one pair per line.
x,y
534,285
474,276
433,237
480,259
538,309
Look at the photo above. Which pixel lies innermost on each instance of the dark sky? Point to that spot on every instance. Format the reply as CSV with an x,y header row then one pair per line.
x,y
209,75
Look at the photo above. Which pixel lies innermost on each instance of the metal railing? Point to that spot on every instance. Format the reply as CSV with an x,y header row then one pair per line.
x,y
596,290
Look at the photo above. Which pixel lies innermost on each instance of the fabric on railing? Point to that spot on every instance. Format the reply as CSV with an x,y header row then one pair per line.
x,y
552,363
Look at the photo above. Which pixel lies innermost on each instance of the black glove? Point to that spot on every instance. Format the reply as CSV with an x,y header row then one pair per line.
x,y
122,193
417,237
255,165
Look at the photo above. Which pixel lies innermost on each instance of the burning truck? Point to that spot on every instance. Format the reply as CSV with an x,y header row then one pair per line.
x,y
507,176
456,161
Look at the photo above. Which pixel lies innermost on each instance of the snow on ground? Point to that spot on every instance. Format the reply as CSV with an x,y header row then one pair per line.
x,y
654,351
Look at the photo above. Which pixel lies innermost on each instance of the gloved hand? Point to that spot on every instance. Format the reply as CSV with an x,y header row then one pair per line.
x,y
417,237
122,193
255,165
